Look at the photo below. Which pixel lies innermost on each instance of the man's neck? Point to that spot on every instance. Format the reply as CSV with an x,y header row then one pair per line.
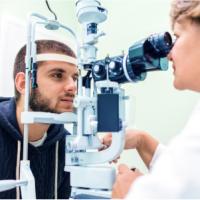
x,y
36,131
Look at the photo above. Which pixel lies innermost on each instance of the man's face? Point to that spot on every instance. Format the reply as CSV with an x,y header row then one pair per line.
x,y
57,85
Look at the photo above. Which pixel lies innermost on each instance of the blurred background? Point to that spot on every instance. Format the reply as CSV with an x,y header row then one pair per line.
x,y
154,105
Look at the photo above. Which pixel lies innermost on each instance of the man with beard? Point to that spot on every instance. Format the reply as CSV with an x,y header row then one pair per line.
x,y
56,88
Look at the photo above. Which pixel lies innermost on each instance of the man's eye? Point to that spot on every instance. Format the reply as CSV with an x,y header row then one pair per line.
x,y
57,75
75,78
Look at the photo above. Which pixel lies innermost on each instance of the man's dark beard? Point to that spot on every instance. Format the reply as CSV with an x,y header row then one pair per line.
x,y
39,103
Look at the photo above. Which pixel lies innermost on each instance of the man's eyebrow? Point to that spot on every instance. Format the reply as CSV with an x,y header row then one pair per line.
x,y
57,70
62,71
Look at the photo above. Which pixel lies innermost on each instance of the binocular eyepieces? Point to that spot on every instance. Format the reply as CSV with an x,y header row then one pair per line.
x,y
145,55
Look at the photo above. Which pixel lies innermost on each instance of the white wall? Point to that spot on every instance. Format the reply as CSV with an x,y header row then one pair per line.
x,y
154,104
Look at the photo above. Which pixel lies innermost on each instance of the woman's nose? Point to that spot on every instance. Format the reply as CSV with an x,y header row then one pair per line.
x,y
169,56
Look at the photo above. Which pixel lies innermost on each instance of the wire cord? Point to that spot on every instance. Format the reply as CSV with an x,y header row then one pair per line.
x,y
49,8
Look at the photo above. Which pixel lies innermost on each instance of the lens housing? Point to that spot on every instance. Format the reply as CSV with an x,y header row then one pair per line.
x,y
145,55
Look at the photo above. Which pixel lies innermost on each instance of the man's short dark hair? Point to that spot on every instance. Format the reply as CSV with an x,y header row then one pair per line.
x,y
43,46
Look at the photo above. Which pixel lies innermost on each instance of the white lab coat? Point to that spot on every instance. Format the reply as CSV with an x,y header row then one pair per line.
x,y
175,169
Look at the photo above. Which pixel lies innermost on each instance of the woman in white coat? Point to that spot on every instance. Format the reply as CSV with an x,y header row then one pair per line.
x,y
174,171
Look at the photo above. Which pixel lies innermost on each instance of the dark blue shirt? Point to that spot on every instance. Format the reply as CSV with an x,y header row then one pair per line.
x,y
42,158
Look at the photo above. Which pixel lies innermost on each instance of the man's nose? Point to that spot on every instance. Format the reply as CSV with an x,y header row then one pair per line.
x,y
71,85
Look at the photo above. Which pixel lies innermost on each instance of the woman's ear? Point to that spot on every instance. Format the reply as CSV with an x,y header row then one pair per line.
x,y
20,82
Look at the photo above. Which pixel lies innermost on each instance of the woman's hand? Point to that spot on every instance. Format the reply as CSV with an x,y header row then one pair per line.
x,y
144,143
124,180
132,139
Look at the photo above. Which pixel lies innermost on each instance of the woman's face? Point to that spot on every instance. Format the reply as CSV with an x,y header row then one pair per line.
x,y
185,55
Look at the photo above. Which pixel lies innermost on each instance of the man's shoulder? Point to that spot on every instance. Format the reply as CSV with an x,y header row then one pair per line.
x,y
7,105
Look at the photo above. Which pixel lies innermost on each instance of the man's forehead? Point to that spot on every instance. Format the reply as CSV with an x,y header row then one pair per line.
x,y
51,61
50,65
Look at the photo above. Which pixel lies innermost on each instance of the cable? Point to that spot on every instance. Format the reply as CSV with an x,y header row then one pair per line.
x,y
48,6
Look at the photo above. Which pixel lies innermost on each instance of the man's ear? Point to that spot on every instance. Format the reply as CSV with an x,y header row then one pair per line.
x,y
20,82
